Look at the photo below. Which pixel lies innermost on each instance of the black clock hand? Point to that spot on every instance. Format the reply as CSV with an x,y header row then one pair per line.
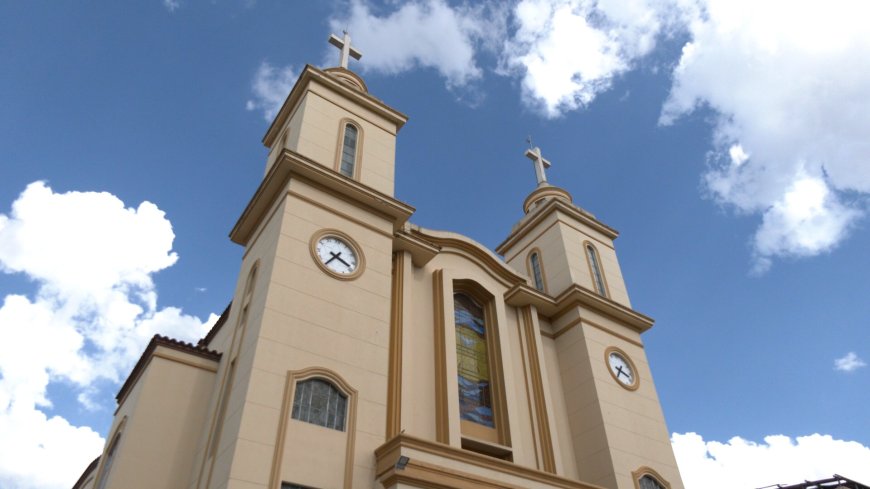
x,y
337,256
620,372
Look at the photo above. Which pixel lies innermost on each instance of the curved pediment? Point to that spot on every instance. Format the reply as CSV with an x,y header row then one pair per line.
x,y
449,242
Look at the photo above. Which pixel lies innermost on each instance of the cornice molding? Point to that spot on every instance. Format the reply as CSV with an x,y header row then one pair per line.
x,y
421,250
337,85
530,221
293,165
439,476
576,295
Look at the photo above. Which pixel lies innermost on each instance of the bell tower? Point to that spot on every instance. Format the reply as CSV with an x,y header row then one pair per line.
x,y
301,395
330,118
592,340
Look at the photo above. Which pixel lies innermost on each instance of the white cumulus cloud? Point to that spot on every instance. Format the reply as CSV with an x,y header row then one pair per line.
x,y
94,309
849,363
778,460
422,33
270,88
569,51
789,83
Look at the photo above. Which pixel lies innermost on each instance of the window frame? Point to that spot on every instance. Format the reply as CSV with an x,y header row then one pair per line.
x,y
604,290
646,471
531,269
296,376
337,389
357,159
472,433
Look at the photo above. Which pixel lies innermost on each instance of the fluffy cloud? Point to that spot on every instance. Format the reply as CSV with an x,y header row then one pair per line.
x,y
569,51
850,362
94,310
779,460
271,86
790,87
430,34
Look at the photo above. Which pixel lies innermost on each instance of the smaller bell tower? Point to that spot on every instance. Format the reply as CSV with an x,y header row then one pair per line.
x,y
330,118
592,337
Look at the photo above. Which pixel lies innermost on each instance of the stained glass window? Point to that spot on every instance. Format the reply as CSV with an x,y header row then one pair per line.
x,y
597,278
475,394
319,402
649,482
536,271
348,150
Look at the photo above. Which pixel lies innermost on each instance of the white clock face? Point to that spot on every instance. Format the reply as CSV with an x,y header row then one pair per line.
x,y
336,255
621,369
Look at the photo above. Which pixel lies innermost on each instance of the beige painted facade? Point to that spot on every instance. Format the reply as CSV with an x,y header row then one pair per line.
x,y
220,414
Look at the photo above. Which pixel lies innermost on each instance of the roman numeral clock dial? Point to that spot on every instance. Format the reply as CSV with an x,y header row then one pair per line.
x,y
337,254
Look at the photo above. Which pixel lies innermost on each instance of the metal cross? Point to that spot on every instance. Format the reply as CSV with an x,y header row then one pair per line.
x,y
346,49
534,154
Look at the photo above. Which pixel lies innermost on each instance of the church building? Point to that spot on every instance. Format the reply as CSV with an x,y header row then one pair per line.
x,y
363,351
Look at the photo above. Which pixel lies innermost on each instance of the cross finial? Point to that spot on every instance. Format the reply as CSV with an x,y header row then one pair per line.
x,y
346,49
534,154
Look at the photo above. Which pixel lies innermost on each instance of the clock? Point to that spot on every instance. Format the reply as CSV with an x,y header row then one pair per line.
x,y
337,254
621,368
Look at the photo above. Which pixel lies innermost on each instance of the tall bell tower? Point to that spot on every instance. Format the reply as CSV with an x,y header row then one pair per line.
x,y
313,297
592,337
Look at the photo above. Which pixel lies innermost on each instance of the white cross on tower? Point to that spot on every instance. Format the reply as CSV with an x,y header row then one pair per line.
x,y
534,154
346,48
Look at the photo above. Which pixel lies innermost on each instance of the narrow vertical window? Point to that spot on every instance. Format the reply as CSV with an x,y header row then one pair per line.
x,y
107,465
348,150
317,401
472,358
597,277
535,261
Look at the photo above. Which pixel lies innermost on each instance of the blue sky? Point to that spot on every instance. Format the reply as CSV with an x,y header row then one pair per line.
x,y
726,141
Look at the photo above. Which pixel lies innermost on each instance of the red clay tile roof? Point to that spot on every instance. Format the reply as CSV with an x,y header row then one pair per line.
x,y
217,327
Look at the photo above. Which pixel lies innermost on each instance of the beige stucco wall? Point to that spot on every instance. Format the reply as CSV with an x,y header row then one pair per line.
x,y
310,319
160,421
314,130
560,240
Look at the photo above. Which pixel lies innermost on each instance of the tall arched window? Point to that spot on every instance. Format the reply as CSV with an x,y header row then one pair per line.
x,y
235,346
595,268
347,162
472,359
319,402
107,465
537,274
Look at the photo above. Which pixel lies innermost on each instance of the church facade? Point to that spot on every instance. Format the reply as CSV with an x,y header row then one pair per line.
x,y
362,351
